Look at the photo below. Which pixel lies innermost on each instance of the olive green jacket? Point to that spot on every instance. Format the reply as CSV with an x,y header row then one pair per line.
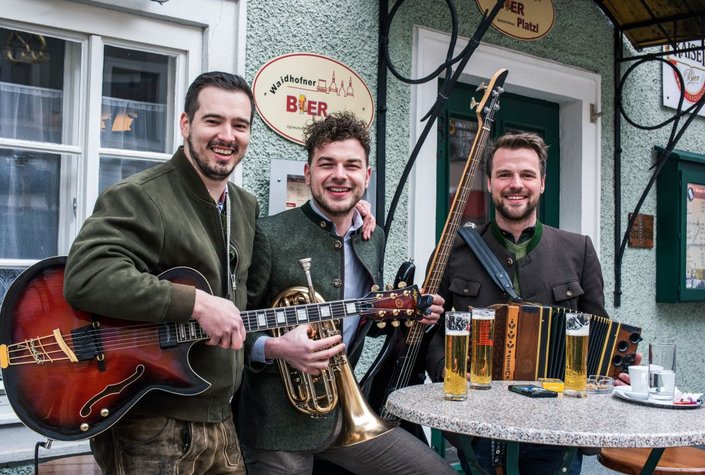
x,y
266,418
155,220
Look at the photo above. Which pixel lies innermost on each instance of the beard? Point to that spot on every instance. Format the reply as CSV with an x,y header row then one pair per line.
x,y
513,214
214,171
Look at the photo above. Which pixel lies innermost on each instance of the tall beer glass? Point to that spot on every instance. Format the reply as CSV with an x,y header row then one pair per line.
x,y
577,331
482,337
457,339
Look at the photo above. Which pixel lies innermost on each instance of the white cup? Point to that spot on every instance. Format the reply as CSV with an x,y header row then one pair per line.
x,y
639,377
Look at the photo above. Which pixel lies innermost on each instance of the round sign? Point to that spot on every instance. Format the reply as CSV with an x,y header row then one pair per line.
x,y
523,20
292,90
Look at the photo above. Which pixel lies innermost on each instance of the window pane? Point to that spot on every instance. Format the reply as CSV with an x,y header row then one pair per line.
x,y
31,86
29,204
114,169
462,133
134,100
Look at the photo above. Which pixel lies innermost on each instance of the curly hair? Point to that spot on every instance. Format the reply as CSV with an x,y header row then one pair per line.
x,y
336,127
515,141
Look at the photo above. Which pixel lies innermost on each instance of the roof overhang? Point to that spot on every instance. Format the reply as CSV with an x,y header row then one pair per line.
x,y
649,23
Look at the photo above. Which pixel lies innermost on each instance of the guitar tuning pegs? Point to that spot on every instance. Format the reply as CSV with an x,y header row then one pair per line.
x,y
389,287
473,103
481,87
395,323
401,284
381,325
408,323
375,288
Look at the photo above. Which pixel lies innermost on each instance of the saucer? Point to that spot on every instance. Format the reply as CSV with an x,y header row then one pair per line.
x,y
627,392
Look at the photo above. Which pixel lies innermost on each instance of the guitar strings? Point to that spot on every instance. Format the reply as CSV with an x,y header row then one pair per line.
x,y
44,349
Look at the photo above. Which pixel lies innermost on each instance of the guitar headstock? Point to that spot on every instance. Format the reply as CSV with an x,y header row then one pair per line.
x,y
489,104
398,304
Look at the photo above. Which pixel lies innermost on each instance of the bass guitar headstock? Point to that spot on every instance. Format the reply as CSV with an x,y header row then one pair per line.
x,y
489,104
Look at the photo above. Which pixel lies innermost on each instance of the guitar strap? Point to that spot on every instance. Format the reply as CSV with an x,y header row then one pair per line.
x,y
489,261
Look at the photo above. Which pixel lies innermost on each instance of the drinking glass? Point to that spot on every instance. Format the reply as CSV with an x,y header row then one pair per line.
x,y
482,343
662,371
577,331
457,326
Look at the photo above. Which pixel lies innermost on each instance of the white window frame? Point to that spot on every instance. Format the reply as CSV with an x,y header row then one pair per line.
x,y
94,27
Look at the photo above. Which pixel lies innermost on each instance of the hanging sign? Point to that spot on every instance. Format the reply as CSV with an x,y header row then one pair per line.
x,y
691,64
292,90
524,20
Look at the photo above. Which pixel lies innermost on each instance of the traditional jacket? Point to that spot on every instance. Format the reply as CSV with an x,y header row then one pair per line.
x,y
153,221
266,418
560,268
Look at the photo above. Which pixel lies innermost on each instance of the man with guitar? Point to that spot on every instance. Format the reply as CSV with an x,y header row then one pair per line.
x,y
546,266
179,213
277,438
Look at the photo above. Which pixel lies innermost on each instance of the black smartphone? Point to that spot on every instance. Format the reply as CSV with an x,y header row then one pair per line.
x,y
532,390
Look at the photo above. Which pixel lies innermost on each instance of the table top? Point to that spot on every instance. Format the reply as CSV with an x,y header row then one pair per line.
x,y
600,420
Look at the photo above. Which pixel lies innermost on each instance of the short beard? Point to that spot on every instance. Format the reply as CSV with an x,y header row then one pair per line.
x,y
507,214
217,174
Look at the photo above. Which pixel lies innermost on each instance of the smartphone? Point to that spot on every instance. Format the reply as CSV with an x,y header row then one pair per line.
x,y
532,390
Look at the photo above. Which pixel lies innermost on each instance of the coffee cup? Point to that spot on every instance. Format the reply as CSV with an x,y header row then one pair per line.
x,y
639,377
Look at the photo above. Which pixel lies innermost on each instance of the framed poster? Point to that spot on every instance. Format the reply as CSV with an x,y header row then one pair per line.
x,y
680,238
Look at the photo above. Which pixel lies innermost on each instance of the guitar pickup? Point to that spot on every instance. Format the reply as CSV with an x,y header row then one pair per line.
x,y
87,344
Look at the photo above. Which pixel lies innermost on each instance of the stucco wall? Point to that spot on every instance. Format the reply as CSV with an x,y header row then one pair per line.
x,y
581,37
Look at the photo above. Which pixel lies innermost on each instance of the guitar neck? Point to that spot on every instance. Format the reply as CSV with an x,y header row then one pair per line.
x,y
270,318
445,243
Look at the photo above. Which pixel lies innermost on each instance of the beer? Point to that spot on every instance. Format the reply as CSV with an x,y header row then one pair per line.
x,y
576,350
481,348
455,379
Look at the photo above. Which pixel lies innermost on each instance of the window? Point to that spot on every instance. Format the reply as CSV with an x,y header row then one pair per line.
x,y
69,128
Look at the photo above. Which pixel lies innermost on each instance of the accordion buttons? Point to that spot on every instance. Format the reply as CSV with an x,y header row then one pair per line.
x,y
337,283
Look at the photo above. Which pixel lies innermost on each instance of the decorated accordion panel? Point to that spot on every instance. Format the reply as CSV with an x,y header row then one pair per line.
x,y
529,343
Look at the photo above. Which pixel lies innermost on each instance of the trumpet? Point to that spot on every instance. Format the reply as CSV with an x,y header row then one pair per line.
x,y
319,395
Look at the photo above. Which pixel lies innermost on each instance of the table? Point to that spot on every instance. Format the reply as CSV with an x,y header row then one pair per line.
x,y
600,420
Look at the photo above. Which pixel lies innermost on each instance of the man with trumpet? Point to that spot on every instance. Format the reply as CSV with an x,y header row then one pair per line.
x,y
276,436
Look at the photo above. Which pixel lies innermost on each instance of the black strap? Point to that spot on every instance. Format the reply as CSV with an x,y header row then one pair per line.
x,y
488,260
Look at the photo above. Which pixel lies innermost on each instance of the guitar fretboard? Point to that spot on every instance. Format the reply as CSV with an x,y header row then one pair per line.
x,y
267,319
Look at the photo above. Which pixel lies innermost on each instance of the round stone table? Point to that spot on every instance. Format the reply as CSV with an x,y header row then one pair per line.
x,y
600,420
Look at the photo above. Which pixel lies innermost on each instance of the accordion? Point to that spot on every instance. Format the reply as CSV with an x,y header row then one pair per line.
x,y
529,343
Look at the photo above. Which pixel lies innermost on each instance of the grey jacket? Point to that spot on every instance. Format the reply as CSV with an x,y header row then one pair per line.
x,y
266,418
153,221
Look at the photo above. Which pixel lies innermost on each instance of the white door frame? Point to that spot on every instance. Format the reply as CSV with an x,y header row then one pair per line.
x,y
572,88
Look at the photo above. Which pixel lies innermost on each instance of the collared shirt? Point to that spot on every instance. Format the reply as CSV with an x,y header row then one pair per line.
x,y
355,277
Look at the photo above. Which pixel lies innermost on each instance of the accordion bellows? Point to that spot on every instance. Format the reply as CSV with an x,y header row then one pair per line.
x,y
529,343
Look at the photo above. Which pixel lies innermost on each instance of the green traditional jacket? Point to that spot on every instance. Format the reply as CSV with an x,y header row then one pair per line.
x,y
266,418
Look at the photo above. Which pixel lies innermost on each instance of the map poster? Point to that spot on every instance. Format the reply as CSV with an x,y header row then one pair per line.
x,y
695,237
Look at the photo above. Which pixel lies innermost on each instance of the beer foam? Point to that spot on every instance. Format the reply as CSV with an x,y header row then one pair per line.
x,y
483,317
457,333
584,331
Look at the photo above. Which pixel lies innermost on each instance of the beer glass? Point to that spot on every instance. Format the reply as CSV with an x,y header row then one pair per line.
x,y
482,342
456,367
662,367
577,330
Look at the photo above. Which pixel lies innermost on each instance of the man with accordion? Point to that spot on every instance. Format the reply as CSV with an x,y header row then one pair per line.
x,y
546,266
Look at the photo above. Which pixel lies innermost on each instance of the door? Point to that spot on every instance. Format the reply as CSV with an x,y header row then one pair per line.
x,y
457,126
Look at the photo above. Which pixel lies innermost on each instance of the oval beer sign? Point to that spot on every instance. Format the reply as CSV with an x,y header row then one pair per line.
x,y
294,89
522,19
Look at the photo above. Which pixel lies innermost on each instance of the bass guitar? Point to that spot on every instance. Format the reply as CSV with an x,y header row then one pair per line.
x,y
71,375
396,366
